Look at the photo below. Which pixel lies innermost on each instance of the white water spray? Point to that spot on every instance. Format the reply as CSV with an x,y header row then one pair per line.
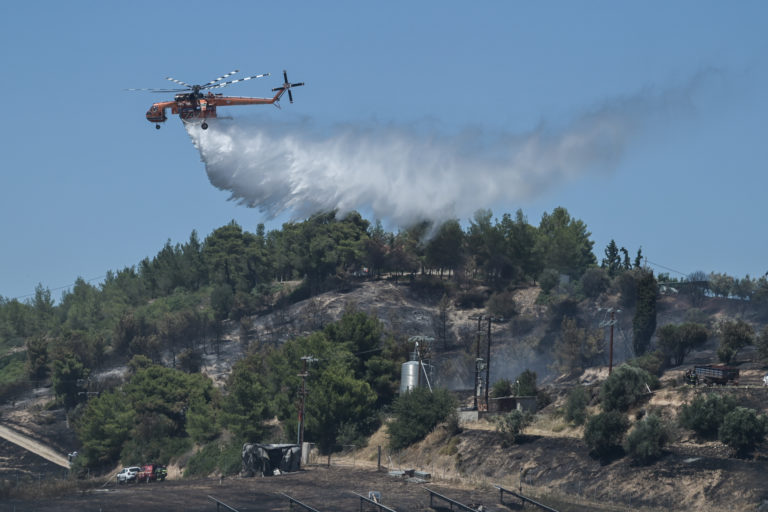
x,y
403,175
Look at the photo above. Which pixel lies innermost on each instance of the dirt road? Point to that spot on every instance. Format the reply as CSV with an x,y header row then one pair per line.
x,y
33,446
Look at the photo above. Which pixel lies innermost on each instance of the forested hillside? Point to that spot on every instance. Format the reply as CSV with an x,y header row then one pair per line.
x,y
161,315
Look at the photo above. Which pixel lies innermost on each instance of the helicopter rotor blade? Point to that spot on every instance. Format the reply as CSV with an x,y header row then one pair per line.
x,y
222,77
224,84
156,90
287,86
179,82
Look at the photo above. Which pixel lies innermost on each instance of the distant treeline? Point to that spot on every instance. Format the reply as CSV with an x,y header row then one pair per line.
x,y
184,293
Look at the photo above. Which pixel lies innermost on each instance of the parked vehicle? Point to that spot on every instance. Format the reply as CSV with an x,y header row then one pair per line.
x,y
717,374
151,473
127,475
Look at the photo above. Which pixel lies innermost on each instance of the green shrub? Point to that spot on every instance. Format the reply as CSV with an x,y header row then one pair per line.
x,y
626,284
705,414
576,405
743,429
548,279
624,387
511,425
734,335
502,387
652,362
452,424
594,282
220,457
761,342
502,304
416,413
525,384
646,441
471,299
203,463
604,432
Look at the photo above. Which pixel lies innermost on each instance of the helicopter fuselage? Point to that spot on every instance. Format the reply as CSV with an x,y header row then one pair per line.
x,y
196,105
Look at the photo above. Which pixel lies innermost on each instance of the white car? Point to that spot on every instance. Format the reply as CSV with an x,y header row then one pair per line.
x,y
128,474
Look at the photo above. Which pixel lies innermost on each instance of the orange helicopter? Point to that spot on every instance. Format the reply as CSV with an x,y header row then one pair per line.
x,y
191,103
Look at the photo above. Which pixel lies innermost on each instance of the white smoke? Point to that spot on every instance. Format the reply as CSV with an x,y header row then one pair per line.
x,y
404,174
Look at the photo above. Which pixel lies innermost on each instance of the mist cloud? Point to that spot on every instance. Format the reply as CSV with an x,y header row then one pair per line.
x,y
404,174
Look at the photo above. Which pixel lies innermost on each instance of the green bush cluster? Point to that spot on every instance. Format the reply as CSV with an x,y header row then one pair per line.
x,y
718,416
512,424
416,413
646,441
576,405
500,388
652,362
220,457
705,413
743,429
604,432
624,387
734,335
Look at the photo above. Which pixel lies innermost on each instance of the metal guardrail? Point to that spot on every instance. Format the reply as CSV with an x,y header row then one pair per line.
x,y
453,502
502,490
363,499
220,504
294,501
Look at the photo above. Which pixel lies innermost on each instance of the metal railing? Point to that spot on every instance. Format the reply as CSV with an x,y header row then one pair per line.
x,y
381,507
502,490
294,501
220,504
433,494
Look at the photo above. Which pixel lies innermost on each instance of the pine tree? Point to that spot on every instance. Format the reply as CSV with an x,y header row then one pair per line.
x,y
644,322
612,261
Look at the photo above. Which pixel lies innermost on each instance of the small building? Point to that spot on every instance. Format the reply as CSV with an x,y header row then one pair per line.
x,y
510,403
270,459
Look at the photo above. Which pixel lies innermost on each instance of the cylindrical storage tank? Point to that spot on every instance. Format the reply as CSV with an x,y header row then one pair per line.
x,y
409,376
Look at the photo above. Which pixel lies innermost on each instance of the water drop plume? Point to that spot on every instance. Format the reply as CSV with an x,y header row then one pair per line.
x,y
406,174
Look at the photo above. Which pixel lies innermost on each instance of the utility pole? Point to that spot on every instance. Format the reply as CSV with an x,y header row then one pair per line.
x,y
610,352
422,348
302,395
488,365
478,361
610,323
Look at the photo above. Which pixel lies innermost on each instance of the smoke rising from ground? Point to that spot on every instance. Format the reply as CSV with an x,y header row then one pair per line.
x,y
406,174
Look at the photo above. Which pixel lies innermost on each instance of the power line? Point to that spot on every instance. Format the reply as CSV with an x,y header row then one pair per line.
x,y
60,287
665,268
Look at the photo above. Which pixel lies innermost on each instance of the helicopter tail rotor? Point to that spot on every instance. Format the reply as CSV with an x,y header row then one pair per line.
x,y
287,86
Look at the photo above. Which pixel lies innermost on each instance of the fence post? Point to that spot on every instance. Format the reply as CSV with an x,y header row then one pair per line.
x,y
378,463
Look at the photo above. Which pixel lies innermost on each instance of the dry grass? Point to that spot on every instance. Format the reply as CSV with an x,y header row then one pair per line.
x,y
46,488
551,425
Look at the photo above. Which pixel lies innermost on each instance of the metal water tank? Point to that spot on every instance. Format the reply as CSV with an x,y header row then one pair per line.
x,y
409,376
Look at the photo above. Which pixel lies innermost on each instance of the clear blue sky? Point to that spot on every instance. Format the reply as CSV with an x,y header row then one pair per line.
x,y
89,185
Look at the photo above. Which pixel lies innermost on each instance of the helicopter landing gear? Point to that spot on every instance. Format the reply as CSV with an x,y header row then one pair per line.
x,y
157,127
204,126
